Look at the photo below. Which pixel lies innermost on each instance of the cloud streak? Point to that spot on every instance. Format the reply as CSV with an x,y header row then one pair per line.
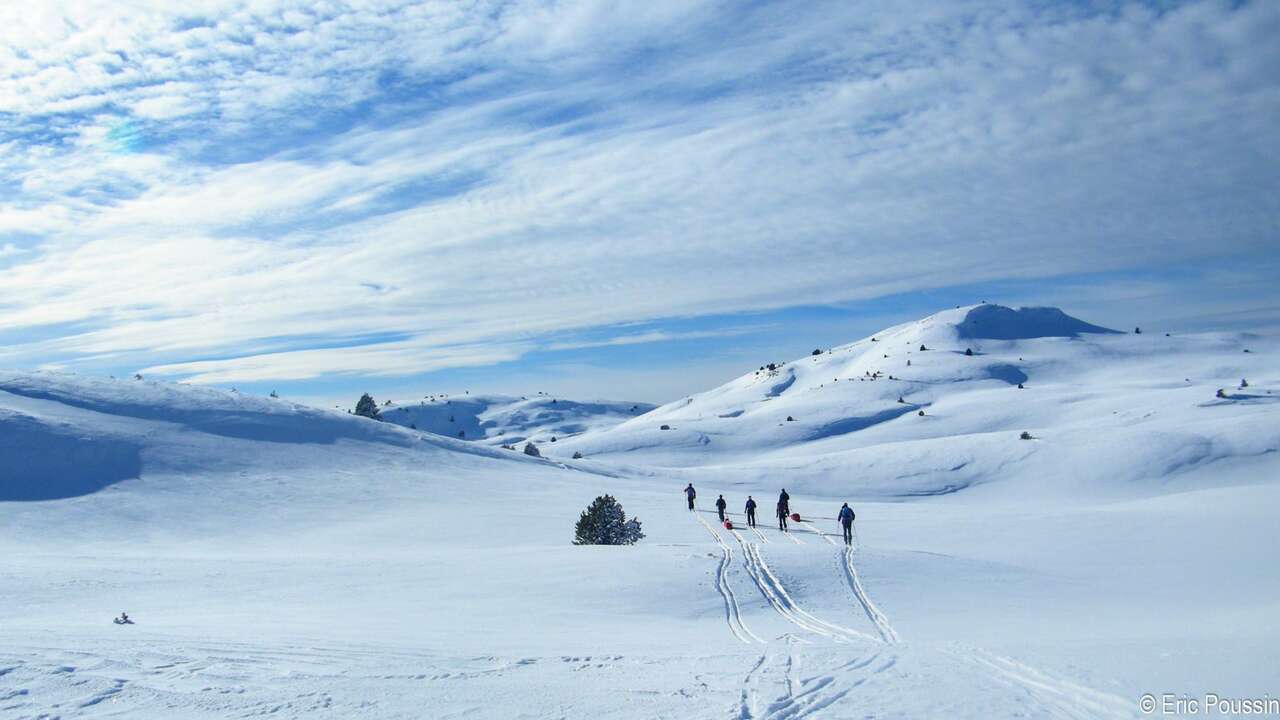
x,y
232,192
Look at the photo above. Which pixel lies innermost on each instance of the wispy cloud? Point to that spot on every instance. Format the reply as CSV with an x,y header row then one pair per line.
x,y
227,191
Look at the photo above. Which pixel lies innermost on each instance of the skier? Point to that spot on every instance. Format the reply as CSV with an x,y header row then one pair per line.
x,y
690,493
751,511
846,521
784,500
123,619
782,515
720,506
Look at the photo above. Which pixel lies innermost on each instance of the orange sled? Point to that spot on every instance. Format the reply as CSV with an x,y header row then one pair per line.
x,y
728,525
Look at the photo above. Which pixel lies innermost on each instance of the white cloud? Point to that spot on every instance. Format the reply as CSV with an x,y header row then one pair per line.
x,y
522,170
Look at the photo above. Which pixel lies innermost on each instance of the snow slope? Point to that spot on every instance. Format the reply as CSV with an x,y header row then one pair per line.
x,y
286,561
507,420
848,422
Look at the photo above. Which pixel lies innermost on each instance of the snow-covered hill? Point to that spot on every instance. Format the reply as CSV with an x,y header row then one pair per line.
x,y
282,560
507,420
938,405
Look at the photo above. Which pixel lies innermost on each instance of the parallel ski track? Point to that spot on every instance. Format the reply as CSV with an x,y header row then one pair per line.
x,y
777,596
878,618
1063,697
814,529
732,613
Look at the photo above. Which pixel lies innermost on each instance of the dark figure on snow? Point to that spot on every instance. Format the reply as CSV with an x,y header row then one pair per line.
x,y
720,506
846,521
782,515
751,511
784,501
690,493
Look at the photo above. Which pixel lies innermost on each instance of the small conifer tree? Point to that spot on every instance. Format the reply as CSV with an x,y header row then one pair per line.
x,y
605,523
368,407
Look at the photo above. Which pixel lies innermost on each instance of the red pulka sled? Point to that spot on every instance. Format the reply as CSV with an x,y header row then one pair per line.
x,y
795,517
728,524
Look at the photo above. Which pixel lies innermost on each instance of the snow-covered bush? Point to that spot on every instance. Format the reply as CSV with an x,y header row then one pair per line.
x,y
368,407
604,523
531,450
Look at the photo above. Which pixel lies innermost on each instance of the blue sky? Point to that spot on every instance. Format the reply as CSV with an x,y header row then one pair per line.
x,y
614,199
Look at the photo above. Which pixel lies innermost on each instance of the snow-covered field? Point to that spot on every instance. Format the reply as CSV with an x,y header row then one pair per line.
x,y
286,561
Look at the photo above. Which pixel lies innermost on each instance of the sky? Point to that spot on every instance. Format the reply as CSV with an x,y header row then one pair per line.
x,y
612,199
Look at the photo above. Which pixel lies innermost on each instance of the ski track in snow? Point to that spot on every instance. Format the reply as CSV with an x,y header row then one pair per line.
x,y
1062,698
732,613
814,529
887,633
802,696
777,596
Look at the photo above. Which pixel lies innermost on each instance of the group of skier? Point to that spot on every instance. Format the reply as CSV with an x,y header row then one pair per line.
x,y
845,516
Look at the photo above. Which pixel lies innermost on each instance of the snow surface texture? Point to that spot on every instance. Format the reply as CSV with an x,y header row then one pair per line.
x,y
507,420
281,560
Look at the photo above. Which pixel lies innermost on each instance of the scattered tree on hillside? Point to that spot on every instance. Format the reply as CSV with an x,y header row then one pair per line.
x,y
921,413
665,427
137,376
413,426
1020,387
368,407
1244,383
904,402
274,394
605,523
968,352
1137,331
1025,436
531,450
790,419
1222,393
816,352
462,434
923,348
577,456
553,438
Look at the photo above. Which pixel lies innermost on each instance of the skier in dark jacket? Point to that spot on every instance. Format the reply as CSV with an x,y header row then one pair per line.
x,y
690,493
846,521
785,501
751,511
720,506
782,515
